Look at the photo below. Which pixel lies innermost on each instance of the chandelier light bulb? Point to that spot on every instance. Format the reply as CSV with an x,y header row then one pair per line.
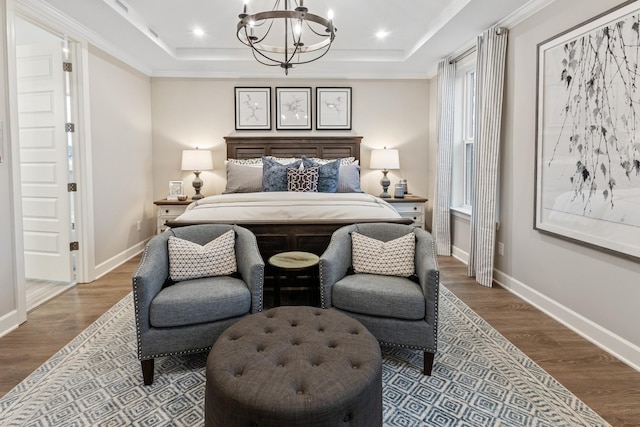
x,y
244,9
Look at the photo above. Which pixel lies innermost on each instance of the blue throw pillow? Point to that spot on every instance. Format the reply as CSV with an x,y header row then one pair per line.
x,y
349,179
274,174
327,176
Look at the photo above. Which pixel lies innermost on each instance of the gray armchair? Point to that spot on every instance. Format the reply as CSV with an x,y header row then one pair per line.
x,y
398,311
188,316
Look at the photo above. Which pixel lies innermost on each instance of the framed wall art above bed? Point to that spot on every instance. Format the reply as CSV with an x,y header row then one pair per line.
x,y
253,108
333,108
293,108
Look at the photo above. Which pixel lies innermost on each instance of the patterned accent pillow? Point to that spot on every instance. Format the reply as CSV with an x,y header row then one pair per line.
x,y
274,174
343,160
257,161
189,260
328,174
304,180
246,162
393,258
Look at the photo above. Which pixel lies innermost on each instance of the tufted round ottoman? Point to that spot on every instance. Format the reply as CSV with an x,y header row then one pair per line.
x,y
294,366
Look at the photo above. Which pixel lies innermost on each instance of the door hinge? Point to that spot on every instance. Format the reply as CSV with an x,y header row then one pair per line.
x,y
74,246
72,186
69,127
67,66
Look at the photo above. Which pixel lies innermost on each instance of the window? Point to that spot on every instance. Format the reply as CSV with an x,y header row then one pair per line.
x,y
469,130
464,134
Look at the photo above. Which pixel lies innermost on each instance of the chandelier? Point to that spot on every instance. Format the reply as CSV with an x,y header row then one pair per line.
x,y
286,38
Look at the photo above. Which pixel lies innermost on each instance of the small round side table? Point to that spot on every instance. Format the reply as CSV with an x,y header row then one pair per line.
x,y
290,262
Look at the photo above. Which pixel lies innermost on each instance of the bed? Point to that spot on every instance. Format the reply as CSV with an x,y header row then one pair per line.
x,y
288,221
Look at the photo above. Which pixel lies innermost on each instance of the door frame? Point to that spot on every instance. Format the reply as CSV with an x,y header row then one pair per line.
x,y
85,260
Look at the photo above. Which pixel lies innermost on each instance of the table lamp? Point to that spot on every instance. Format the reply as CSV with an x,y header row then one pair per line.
x,y
197,161
385,159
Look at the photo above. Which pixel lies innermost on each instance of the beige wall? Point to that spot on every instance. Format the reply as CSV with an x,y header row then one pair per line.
x,y
120,102
593,292
200,112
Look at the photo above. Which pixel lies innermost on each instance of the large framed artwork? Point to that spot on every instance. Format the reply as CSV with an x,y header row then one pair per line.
x,y
293,108
333,108
253,108
588,133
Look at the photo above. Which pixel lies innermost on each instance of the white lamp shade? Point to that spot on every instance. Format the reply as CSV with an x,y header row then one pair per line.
x,y
196,160
384,159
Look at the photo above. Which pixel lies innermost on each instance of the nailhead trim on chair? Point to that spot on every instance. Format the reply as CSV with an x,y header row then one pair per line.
x,y
320,268
177,353
135,297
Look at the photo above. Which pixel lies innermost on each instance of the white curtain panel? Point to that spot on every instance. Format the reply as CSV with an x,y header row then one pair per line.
x,y
490,70
441,215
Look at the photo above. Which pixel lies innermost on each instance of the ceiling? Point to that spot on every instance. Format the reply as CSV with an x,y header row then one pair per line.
x,y
421,32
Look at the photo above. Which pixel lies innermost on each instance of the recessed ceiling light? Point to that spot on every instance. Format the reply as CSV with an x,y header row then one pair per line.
x,y
199,32
382,34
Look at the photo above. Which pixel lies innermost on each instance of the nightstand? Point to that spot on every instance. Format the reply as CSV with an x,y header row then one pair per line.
x,y
410,206
168,210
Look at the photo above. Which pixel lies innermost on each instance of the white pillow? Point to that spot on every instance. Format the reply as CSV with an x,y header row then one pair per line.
x,y
343,160
257,161
392,258
189,260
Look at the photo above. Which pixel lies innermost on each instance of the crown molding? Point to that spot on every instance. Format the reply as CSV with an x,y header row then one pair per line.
x,y
42,12
509,22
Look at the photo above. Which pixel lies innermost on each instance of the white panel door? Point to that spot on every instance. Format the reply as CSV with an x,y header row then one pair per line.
x,y
44,162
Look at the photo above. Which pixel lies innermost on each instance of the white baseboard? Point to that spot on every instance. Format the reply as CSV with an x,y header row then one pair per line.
x,y
116,261
9,322
460,255
617,346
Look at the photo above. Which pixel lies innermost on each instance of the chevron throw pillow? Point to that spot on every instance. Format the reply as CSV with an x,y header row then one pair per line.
x,y
392,258
305,180
189,260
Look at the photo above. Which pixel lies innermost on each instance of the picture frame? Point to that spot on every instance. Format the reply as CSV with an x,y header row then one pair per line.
x,y
587,172
176,188
333,108
293,108
253,108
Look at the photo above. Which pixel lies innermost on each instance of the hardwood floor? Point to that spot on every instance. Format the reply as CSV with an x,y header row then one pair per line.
x,y
605,384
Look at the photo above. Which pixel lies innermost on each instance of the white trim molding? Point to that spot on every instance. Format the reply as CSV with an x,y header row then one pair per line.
x,y
617,346
116,261
9,322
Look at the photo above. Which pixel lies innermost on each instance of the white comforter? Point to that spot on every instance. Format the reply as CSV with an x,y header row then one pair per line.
x,y
294,206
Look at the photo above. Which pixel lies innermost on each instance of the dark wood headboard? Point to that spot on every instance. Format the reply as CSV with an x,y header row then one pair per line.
x,y
325,147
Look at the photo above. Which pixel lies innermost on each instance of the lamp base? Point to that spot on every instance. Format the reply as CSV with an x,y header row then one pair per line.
x,y
385,182
197,185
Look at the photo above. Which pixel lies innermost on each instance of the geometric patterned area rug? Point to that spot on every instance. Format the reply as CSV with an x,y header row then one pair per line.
x,y
479,379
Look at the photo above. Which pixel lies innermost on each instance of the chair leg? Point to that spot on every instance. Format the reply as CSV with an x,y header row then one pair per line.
x,y
147,371
428,362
